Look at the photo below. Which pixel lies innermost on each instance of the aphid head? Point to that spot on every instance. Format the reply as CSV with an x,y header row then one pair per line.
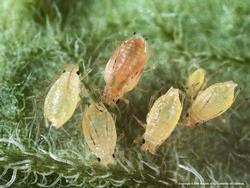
x,y
231,84
71,68
110,96
106,159
138,41
189,121
148,146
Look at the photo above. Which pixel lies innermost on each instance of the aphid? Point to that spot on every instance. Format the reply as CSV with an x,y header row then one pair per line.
x,y
124,69
195,81
162,119
99,132
63,97
211,103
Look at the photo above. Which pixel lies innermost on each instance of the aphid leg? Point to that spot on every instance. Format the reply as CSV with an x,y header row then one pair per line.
x,y
126,101
223,120
183,96
149,69
46,122
119,138
113,116
139,122
138,139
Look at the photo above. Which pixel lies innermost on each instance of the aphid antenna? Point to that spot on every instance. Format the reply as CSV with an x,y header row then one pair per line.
x,y
87,72
151,52
218,70
142,89
93,96
154,97
124,100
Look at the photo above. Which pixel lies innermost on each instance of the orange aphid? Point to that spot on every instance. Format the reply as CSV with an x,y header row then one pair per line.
x,y
124,69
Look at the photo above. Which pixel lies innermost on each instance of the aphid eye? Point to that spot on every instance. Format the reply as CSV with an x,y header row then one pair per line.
x,y
78,72
64,71
143,141
187,114
113,156
134,33
98,159
146,38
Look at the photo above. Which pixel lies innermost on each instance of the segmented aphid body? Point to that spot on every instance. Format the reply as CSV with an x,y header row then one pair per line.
x,y
99,132
211,103
162,119
63,97
124,69
195,81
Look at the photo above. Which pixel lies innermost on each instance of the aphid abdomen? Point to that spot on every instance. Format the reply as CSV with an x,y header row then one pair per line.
x,y
124,69
62,99
162,119
99,132
212,102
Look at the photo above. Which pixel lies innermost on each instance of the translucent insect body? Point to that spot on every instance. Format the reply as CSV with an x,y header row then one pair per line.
x,y
211,103
124,69
63,96
99,132
195,82
162,119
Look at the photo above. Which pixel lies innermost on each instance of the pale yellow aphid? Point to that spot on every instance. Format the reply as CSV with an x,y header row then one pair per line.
x,y
99,132
63,97
211,103
195,81
162,119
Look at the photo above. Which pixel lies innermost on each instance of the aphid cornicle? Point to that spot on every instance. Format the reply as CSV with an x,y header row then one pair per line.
x,y
195,81
124,69
99,132
162,119
211,103
63,97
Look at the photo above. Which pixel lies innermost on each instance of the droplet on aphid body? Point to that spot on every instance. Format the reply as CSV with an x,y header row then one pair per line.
x,y
162,119
63,97
99,132
211,103
124,69
195,81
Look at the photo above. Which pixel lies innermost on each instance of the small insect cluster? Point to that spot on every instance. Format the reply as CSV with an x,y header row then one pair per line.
x,y
122,73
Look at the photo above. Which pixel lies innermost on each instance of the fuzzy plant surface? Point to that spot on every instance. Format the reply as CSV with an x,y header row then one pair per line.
x,y
37,37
